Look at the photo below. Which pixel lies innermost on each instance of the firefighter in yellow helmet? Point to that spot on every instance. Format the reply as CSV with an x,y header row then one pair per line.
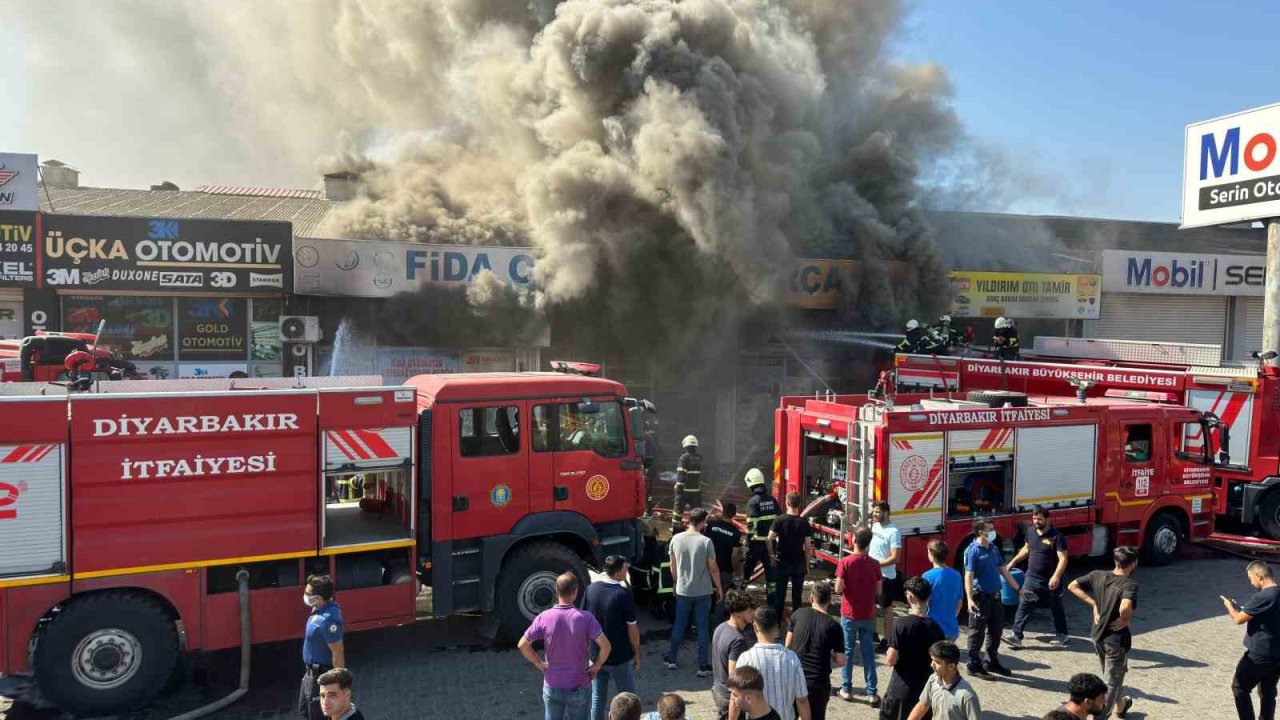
x,y
762,509
688,478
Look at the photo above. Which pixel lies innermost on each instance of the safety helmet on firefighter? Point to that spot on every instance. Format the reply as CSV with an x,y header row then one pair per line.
x,y
912,324
1002,323
689,441
944,320
754,478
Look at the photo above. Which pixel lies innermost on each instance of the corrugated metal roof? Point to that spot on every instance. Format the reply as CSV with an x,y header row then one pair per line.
x,y
260,191
305,213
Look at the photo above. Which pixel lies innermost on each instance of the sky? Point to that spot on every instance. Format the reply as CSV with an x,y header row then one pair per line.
x,y
1088,100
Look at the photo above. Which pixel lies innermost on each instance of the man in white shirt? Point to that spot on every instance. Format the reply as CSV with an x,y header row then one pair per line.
x,y
784,685
886,544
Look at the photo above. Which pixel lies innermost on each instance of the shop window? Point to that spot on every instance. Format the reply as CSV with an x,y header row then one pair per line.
x,y
367,506
1137,444
213,330
265,330
979,489
588,425
489,431
138,328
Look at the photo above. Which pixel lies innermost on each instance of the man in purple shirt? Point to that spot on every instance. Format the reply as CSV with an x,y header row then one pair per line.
x,y
566,634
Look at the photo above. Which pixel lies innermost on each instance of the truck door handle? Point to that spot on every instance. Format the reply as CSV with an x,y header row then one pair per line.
x,y
460,503
561,492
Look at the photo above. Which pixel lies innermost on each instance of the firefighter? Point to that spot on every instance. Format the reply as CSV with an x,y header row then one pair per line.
x,y
762,510
688,477
946,335
1006,339
913,338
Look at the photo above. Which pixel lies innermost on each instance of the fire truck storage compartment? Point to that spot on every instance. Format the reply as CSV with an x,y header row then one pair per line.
x,y
32,487
825,465
980,472
1055,465
367,485
916,475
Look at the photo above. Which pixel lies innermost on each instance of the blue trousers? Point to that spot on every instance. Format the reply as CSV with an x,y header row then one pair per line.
x,y
701,608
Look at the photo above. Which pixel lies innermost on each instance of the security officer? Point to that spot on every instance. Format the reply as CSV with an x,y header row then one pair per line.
x,y
914,338
762,509
688,477
321,643
1006,339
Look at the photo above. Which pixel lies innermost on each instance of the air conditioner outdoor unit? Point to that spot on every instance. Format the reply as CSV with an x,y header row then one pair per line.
x,y
299,328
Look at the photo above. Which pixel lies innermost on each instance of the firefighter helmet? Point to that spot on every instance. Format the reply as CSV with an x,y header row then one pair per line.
x,y
1002,323
944,320
689,441
912,324
754,478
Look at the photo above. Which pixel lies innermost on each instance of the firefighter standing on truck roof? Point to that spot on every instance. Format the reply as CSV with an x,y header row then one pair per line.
x,y
688,477
1006,339
913,338
762,509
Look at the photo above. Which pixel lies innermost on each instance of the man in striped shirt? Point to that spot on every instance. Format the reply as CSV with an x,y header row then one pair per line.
x,y
784,685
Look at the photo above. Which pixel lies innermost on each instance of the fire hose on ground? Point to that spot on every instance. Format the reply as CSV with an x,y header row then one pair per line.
x,y
246,646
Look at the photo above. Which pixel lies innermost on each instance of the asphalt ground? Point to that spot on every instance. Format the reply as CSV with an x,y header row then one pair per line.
x,y
1185,650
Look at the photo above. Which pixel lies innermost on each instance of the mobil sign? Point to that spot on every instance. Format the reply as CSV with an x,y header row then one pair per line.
x,y
1162,273
1230,172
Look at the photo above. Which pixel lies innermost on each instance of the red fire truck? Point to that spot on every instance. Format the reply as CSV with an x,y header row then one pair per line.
x,y
1246,496
1111,471
52,357
127,512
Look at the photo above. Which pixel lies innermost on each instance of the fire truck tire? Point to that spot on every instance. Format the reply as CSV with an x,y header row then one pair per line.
x,y
106,653
998,398
1162,541
527,584
1269,514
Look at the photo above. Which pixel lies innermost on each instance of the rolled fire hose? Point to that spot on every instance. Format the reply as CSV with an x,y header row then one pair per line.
x,y
246,645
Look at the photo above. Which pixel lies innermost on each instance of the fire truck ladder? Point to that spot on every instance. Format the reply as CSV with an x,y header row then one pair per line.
x,y
862,469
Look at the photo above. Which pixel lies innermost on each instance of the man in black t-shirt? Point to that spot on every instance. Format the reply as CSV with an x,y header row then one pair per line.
x,y
1046,553
1260,665
908,652
817,639
1113,596
727,539
789,546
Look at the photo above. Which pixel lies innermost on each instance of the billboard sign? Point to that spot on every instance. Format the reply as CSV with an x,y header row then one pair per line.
x,y
367,268
83,252
1025,295
18,187
1162,273
1230,169
18,249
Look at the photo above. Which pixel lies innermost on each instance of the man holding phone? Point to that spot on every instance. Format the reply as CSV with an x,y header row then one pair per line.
x,y
1260,665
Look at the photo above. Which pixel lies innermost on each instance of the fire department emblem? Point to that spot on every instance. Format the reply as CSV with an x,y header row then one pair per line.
x,y
500,495
913,473
597,487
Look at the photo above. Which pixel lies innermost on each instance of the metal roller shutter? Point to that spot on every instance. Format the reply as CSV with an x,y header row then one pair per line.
x,y
1253,329
1170,318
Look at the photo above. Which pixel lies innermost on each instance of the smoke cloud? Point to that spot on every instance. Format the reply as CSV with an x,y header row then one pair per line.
x,y
668,160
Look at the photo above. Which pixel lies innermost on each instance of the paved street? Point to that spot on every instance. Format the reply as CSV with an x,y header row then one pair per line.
x,y
1185,651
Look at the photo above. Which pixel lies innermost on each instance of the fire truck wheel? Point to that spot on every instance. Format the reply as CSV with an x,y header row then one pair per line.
x,y
1164,537
106,653
1269,514
998,398
527,584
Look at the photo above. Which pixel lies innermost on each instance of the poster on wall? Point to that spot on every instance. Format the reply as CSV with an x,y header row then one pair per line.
x,y
266,329
199,371
138,328
1025,295
10,319
213,329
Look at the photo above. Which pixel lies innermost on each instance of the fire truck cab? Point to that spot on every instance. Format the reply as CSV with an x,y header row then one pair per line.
x,y
1111,472
128,511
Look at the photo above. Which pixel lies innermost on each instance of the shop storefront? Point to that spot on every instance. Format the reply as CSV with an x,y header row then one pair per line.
x,y
179,298
1183,298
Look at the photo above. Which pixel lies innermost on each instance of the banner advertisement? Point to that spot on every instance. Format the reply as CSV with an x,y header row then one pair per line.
x,y
1025,295
17,249
81,252
394,364
1230,171
366,268
18,187
213,329
1164,273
